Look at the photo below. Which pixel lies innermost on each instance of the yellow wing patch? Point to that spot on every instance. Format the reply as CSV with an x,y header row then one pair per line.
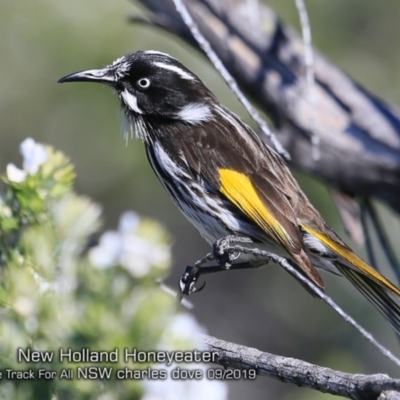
x,y
352,258
238,188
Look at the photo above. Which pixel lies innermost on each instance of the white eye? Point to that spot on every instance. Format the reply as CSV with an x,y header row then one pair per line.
x,y
143,83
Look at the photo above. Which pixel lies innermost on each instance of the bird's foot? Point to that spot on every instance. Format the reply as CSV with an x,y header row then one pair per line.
x,y
225,250
188,280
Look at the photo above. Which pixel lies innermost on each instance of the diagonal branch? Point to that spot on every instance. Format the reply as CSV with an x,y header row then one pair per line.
x,y
309,72
190,278
359,133
304,374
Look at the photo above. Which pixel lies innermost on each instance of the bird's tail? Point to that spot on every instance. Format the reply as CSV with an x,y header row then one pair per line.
x,y
379,295
382,293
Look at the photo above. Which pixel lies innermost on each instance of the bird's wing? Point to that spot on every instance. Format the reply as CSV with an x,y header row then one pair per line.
x,y
253,178
262,203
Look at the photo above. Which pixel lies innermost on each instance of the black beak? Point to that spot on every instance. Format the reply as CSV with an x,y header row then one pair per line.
x,y
91,75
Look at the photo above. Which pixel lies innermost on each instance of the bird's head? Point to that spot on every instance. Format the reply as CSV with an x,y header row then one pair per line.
x,y
152,84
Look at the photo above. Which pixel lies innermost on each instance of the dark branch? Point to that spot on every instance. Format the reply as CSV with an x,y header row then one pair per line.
x,y
303,374
359,133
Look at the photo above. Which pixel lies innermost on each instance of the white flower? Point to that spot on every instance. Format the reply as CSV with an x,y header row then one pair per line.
x,y
15,174
128,222
126,248
24,305
184,327
107,252
175,389
33,154
139,256
44,286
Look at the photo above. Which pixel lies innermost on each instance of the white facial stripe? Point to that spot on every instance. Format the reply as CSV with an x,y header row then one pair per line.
x,y
183,74
157,52
194,113
131,101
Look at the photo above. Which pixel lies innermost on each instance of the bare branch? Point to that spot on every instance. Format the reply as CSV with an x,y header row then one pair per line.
x,y
360,134
309,72
303,374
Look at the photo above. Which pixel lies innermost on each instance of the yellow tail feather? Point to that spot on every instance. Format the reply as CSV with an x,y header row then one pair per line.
x,y
353,259
375,293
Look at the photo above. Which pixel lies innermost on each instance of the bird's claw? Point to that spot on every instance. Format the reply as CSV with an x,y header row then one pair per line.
x,y
188,281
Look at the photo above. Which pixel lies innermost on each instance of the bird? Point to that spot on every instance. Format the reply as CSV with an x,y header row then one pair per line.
x,y
225,179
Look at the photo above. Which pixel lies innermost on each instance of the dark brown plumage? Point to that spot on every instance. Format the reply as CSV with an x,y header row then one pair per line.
x,y
224,178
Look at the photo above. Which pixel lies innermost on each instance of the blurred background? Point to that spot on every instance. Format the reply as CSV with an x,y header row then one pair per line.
x,y
43,40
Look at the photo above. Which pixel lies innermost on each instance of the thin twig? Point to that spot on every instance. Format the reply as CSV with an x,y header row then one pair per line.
x,y
301,373
284,263
212,55
310,78
183,301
